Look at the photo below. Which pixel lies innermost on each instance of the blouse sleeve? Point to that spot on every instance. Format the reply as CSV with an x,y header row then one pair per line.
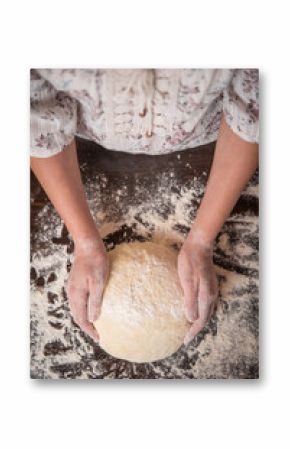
x,y
53,118
241,104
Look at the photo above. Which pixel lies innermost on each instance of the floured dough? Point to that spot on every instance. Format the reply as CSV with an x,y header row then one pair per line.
x,y
142,316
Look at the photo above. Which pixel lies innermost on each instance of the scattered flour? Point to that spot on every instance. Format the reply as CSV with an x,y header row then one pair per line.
x,y
163,218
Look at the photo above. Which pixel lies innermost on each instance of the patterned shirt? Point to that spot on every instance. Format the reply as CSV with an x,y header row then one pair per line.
x,y
141,110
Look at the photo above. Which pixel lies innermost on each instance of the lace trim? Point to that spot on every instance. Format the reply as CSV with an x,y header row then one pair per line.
x,y
140,105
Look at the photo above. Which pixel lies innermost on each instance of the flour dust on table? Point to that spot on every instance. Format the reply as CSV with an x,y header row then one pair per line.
x,y
159,208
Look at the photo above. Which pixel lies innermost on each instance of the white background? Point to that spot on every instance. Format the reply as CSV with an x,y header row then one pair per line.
x,y
144,414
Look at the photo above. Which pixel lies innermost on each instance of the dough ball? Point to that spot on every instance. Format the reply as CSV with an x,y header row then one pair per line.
x,y
142,318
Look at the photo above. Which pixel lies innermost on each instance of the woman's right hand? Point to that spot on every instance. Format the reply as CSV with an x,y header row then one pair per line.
x,y
60,177
86,283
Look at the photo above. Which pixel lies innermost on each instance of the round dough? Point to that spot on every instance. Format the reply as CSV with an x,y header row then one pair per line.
x,y
142,318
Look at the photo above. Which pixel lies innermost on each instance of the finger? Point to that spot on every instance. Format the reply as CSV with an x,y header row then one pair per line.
x,y
206,314
189,285
89,329
95,299
194,330
207,295
190,290
204,309
78,305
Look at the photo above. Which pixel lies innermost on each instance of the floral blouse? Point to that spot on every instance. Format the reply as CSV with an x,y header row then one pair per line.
x,y
141,110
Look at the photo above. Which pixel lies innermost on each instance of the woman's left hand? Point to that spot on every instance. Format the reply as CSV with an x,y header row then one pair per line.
x,y
199,282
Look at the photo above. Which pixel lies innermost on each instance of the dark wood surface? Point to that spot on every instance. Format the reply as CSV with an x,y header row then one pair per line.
x,y
122,169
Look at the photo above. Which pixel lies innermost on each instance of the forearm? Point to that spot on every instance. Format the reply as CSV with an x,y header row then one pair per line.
x,y
234,163
60,177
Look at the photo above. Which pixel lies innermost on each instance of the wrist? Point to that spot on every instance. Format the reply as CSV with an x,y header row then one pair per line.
x,y
85,235
198,236
89,244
